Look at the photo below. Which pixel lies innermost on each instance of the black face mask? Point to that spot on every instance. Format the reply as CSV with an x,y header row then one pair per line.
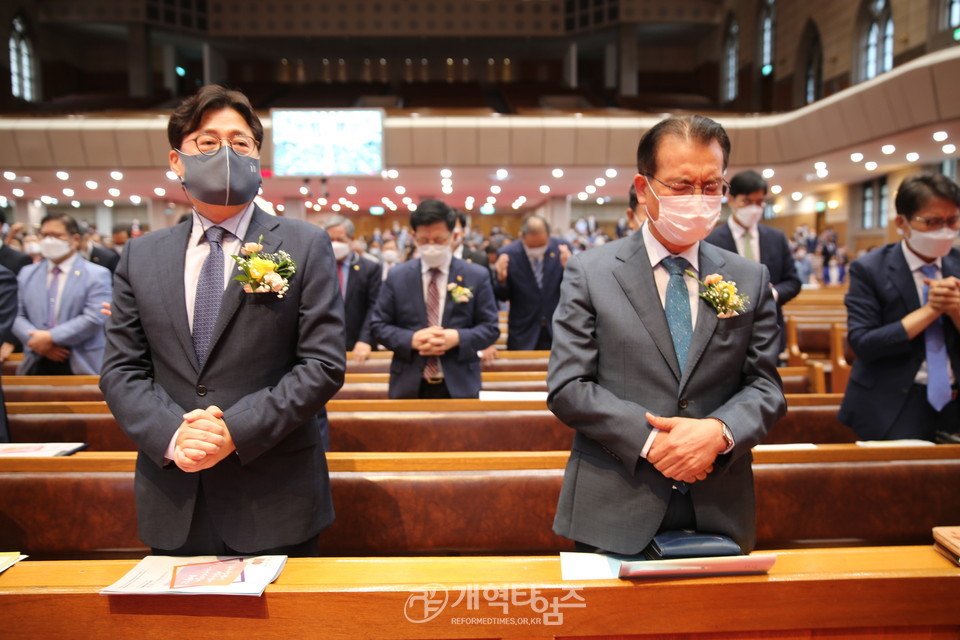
x,y
224,178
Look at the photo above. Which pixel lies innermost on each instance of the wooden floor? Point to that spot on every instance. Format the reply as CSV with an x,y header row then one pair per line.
x,y
890,592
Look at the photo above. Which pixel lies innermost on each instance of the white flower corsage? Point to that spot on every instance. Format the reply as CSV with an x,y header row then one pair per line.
x,y
264,272
721,294
458,292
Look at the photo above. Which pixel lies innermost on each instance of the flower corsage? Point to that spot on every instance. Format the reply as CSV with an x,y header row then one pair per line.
x,y
458,292
264,272
721,294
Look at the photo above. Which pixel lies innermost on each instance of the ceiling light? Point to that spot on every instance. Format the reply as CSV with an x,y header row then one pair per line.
x,y
116,175
160,192
446,173
776,189
822,173
75,204
335,206
544,189
308,204
940,136
600,182
819,166
590,188
870,166
134,199
63,175
502,174
447,189
491,200
913,156
796,196
91,184
304,190
887,149
410,207
833,204
278,207
352,190
108,203
856,157
68,192
767,173
322,201
777,208
172,176
600,200
611,173
393,174
114,192
400,190
949,148
17,192
9,175
582,195
495,189
557,173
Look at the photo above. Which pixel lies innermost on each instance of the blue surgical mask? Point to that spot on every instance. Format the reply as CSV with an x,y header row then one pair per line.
x,y
224,178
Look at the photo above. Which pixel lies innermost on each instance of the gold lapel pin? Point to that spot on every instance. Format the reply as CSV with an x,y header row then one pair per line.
x,y
553,255
356,267
76,273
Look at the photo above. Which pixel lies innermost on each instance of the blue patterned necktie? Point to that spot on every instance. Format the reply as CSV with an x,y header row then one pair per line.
x,y
209,292
938,372
677,308
538,271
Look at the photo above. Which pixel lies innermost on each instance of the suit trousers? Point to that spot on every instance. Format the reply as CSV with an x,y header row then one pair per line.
x,y
680,515
203,539
918,419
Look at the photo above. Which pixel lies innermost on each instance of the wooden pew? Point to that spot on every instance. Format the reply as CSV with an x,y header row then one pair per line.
x,y
83,506
404,425
379,362
841,358
842,594
896,593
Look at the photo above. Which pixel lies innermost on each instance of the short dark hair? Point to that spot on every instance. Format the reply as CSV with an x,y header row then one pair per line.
x,y
633,197
463,219
68,222
690,127
525,225
123,228
917,190
431,211
747,182
186,118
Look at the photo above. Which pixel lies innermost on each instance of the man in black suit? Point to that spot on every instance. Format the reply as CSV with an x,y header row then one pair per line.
x,y
743,234
13,261
95,253
360,281
460,248
8,313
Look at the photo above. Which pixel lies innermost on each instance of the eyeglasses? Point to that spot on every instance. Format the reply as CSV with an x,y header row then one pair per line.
x,y
209,145
934,224
717,188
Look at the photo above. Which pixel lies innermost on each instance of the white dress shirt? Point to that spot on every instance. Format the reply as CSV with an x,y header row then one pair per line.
x,y
198,249
65,267
914,262
441,289
739,232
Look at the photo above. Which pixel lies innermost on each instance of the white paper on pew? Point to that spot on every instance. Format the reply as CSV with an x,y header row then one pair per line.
x,y
907,442
9,558
595,566
155,575
513,395
39,449
796,446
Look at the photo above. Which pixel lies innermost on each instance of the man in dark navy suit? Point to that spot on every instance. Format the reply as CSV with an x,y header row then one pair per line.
x,y
8,313
743,234
528,275
903,312
435,313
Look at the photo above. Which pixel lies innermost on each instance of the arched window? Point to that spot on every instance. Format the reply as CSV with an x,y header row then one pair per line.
x,y
813,83
766,38
21,62
953,13
877,53
731,48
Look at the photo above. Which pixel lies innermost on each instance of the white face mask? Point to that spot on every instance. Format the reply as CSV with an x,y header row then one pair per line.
x,y
536,253
685,220
932,244
390,255
54,248
749,215
435,255
31,248
340,250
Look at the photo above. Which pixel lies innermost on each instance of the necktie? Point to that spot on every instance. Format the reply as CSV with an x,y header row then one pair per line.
x,y
748,245
52,297
209,292
677,307
343,293
938,372
432,368
538,271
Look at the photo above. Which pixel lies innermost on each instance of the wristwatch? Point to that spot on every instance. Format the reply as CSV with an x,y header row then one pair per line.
x,y
727,435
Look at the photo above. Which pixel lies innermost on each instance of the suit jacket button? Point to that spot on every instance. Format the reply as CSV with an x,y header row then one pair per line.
x,y
683,403
201,390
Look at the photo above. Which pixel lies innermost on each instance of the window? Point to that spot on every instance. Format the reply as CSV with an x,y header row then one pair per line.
x,y
866,219
730,62
813,75
877,53
875,203
953,14
21,62
766,38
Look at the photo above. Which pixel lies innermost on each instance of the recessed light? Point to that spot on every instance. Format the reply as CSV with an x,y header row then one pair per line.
x,y
68,192
335,206
582,195
75,204
767,173
819,166
544,189
776,189
856,157
63,175
822,173
134,199
393,174
160,192
116,175
796,196
352,190
91,184
940,136
949,148
913,156
9,175
600,182
870,166
833,204
279,207
590,188
887,149
446,173
777,208
611,173
557,173
400,190
495,189
108,203
600,200
502,174
114,192
491,200
17,192
447,189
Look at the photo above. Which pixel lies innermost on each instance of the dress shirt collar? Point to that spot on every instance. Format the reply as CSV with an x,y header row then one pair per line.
x,y
444,269
65,266
914,262
656,252
236,224
737,230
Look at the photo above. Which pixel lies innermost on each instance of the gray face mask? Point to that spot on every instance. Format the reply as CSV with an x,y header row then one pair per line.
x,y
224,178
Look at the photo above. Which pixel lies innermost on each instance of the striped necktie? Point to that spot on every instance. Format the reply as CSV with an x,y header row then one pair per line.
x,y
432,368
209,293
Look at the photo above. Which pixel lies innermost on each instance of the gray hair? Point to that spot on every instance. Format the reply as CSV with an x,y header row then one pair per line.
x,y
338,220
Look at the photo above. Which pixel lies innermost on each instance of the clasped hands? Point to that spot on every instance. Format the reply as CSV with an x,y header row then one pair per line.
x,y
944,295
434,341
203,440
686,448
42,342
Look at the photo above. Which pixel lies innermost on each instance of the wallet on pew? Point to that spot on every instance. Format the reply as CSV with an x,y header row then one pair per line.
x,y
690,544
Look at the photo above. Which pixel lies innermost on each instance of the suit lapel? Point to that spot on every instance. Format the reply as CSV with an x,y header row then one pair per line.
x,y
901,278
415,284
72,287
261,226
171,257
635,276
711,261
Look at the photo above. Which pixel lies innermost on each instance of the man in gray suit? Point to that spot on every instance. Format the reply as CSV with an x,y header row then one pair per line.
x,y
666,397
220,387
